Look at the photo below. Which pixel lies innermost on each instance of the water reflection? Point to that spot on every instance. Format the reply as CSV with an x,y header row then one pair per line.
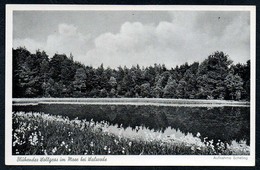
x,y
224,123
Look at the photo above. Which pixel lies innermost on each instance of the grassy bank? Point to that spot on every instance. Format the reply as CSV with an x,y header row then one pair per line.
x,y
42,134
131,101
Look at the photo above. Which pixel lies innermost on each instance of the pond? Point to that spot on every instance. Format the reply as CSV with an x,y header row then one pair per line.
x,y
226,123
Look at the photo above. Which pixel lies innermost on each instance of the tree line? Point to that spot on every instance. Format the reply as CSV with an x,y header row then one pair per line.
x,y
37,75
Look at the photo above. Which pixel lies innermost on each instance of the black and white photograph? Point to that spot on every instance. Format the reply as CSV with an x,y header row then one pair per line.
x,y
128,85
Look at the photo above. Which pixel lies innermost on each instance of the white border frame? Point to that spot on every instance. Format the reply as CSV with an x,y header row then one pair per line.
x,y
148,160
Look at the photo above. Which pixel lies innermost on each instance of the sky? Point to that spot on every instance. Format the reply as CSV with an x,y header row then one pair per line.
x,y
134,37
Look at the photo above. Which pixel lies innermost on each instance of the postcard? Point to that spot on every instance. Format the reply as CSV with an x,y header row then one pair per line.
x,y
108,85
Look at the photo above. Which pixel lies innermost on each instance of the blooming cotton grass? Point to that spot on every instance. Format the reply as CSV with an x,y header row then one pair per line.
x,y
43,134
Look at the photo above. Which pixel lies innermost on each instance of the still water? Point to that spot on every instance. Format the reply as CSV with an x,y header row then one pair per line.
x,y
225,123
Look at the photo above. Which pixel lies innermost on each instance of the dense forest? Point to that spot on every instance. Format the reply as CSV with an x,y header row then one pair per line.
x,y
37,75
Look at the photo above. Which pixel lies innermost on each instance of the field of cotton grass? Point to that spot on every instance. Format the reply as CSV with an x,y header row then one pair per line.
x,y
44,134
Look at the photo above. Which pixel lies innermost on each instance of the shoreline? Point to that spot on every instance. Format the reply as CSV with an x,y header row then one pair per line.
x,y
131,101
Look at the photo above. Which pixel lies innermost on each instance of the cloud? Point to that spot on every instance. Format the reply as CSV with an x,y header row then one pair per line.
x,y
30,44
67,30
66,40
188,37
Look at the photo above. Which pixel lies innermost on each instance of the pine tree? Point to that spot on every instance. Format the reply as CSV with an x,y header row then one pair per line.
x,y
170,89
79,83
